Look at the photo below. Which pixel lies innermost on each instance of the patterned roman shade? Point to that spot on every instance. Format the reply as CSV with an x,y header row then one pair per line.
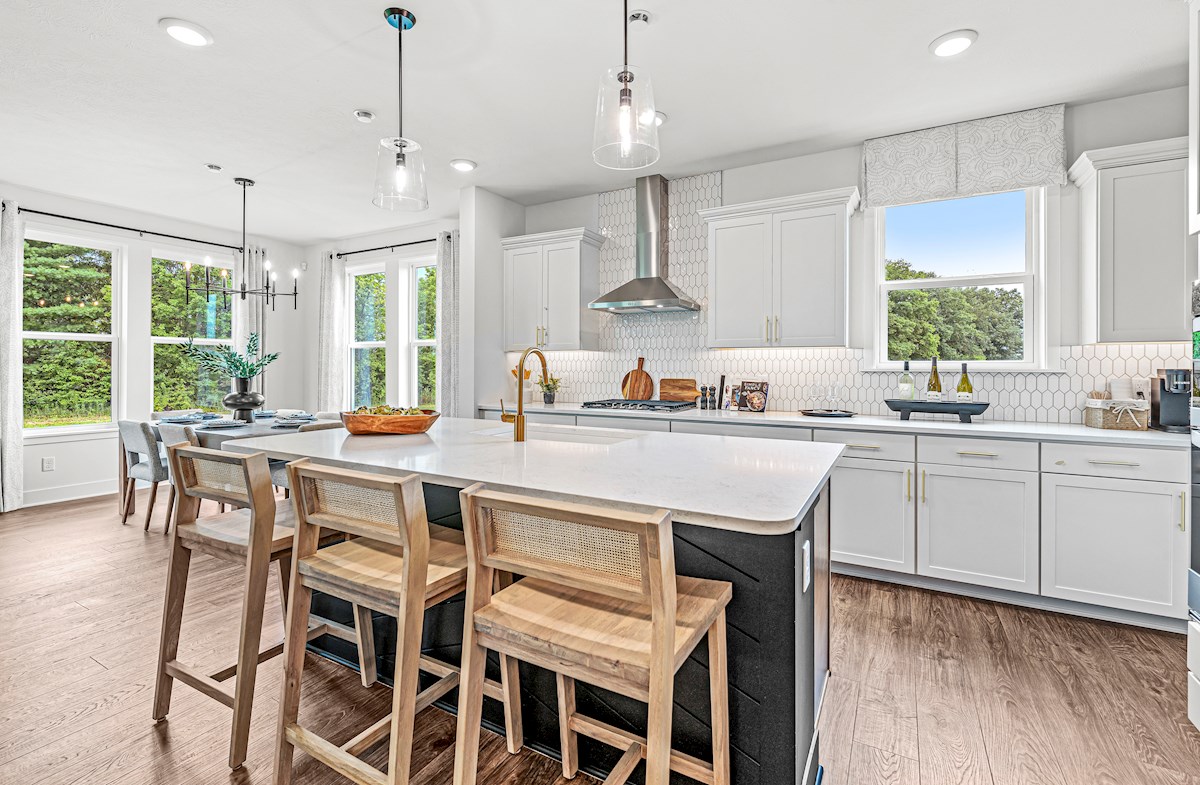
x,y
1001,153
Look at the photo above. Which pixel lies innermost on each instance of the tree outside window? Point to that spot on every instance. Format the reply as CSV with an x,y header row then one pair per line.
x,y
175,318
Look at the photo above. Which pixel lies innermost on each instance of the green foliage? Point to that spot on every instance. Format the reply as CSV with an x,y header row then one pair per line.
x,y
953,323
548,385
224,360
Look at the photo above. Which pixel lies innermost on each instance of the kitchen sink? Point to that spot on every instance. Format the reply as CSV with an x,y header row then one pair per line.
x,y
562,433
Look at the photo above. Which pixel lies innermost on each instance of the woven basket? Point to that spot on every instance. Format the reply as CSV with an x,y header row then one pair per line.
x,y
1117,415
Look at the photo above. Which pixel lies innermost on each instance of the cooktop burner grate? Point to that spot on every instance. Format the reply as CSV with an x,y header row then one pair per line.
x,y
647,406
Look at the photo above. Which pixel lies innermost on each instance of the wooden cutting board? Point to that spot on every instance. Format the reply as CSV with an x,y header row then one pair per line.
x,y
678,390
637,384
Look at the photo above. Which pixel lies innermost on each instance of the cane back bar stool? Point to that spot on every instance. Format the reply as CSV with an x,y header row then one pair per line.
x,y
601,603
397,563
253,536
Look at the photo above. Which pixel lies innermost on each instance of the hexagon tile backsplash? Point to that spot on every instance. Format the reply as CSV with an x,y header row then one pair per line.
x,y
674,343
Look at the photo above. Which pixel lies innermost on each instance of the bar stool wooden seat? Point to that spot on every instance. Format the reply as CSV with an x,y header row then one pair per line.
x,y
397,563
253,536
601,603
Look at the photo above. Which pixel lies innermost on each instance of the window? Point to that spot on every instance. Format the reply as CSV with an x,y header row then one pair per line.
x,y
176,317
68,344
393,333
958,280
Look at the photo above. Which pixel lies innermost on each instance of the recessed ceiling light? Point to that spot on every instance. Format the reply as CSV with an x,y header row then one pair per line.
x,y
463,164
213,167
363,116
660,118
954,43
186,32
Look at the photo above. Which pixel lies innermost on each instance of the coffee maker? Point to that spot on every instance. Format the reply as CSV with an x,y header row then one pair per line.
x,y
1170,400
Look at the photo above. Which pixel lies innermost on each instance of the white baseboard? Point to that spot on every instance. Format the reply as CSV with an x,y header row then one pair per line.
x,y
1016,598
67,493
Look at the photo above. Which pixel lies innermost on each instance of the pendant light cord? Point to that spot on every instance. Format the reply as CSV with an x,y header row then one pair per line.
x,y
243,235
625,25
400,71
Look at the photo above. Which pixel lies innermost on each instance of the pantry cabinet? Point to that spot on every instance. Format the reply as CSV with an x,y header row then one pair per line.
x,y
1117,543
1138,260
549,279
777,271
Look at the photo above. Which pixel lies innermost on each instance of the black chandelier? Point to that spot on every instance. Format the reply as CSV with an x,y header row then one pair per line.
x,y
220,285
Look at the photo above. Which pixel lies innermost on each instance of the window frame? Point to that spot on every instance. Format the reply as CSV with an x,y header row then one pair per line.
x,y
118,253
218,261
1032,281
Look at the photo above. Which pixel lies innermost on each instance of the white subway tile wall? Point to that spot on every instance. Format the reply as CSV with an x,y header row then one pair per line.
x,y
674,343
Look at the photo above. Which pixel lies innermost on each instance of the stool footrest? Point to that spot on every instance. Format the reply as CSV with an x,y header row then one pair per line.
x,y
199,682
266,654
694,768
625,766
334,757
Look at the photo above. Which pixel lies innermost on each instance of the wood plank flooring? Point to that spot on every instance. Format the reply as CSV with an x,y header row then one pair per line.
x,y
927,688
937,689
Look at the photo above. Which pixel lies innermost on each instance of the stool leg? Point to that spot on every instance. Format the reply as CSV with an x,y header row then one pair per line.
x,y
409,622
470,710
295,641
568,739
364,628
285,573
150,504
168,641
510,684
170,509
718,687
258,565
658,723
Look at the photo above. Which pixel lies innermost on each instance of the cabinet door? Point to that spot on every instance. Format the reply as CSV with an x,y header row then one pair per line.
x,y
809,273
523,280
872,520
623,423
1118,543
1145,257
560,320
978,526
739,281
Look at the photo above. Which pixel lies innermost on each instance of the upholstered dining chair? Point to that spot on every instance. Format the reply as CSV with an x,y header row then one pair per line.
x,y
279,474
144,462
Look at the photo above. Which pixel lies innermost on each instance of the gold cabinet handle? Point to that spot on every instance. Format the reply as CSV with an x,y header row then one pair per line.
x,y
974,454
864,446
537,341
545,336
922,486
1183,511
1115,463
776,329
908,484
768,327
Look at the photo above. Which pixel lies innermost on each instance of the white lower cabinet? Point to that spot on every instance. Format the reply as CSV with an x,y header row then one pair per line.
x,y
872,520
1118,543
978,526
1194,699
623,423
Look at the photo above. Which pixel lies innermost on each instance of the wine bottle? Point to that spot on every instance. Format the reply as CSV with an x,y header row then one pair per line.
x,y
965,393
933,390
908,388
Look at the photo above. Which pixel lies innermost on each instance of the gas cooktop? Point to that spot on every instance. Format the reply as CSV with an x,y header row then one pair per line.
x,y
647,406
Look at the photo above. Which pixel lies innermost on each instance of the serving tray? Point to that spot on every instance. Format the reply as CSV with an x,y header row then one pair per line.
x,y
964,410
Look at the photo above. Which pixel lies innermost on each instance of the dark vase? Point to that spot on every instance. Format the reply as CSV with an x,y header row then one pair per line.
x,y
547,398
243,402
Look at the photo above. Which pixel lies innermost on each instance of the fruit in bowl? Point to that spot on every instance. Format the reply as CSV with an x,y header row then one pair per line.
x,y
367,420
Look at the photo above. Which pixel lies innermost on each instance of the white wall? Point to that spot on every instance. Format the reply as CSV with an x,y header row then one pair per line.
x,y
563,214
86,460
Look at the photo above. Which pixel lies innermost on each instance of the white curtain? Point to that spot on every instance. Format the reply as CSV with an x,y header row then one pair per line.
x,y
447,322
12,235
250,315
332,337
1002,153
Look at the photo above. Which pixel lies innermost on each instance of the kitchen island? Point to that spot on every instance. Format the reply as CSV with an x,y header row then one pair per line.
x,y
755,514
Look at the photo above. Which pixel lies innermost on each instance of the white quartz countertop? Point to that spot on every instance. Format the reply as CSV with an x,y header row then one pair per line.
x,y
992,429
759,486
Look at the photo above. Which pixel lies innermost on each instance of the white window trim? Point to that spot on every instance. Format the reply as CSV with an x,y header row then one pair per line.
x,y
118,251
1032,280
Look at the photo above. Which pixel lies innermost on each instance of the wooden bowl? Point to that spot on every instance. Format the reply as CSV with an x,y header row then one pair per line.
x,y
366,424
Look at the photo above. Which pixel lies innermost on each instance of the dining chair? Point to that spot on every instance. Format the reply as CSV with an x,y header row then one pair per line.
x,y
279,473
329,416
171,434
143,461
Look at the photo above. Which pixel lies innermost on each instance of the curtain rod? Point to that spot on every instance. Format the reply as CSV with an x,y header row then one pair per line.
x,y
390,247
237,248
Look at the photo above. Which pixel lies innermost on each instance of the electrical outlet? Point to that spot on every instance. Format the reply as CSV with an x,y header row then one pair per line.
x,y
1141,388
48,464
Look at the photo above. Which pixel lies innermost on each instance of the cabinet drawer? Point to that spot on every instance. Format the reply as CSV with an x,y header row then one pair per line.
x,y
623,423
545,418
863,444
752,431
1193,657
1133,463
983,453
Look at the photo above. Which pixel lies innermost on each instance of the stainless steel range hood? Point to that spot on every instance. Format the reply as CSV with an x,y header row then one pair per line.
x,y
650,291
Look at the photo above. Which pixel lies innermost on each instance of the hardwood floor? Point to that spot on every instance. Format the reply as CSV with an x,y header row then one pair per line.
x,y
927,688
932,688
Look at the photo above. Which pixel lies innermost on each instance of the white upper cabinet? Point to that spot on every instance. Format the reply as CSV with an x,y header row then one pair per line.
x,y
549,279
1137,256
1194,116
777,271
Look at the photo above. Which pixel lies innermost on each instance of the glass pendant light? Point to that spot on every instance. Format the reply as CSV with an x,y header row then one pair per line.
x,y
626,134
400,167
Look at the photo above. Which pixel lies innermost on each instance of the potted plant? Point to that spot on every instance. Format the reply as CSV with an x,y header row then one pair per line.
x,y
241,368
549,387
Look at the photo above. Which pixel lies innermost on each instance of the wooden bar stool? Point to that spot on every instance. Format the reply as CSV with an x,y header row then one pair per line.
x,y
253,536
601,603
397,563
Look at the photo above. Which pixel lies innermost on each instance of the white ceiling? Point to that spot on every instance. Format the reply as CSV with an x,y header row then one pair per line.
x,y
102,105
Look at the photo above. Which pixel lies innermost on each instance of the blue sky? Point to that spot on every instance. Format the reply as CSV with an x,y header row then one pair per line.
x,y
980,235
